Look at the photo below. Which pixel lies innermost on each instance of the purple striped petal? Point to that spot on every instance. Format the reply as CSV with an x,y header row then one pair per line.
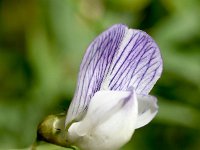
x,y
94,67
117,59
137,63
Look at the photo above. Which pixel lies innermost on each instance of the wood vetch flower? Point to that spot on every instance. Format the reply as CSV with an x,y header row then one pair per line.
x,y
112,99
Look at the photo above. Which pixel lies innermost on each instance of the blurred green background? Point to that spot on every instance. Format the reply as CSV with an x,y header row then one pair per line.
x,y
42,43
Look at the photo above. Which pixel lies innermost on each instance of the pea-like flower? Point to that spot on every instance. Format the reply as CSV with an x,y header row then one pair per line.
x,y
112,99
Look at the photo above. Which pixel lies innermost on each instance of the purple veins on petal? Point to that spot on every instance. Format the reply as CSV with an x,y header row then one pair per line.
x,y
94,68
117,59
139,63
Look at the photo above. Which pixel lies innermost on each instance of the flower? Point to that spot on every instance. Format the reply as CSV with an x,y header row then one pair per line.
x,y
112,99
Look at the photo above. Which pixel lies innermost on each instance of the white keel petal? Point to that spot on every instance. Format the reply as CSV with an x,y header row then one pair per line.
x,y
109,122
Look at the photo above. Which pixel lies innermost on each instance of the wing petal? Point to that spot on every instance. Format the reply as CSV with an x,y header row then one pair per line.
x,y
147,109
